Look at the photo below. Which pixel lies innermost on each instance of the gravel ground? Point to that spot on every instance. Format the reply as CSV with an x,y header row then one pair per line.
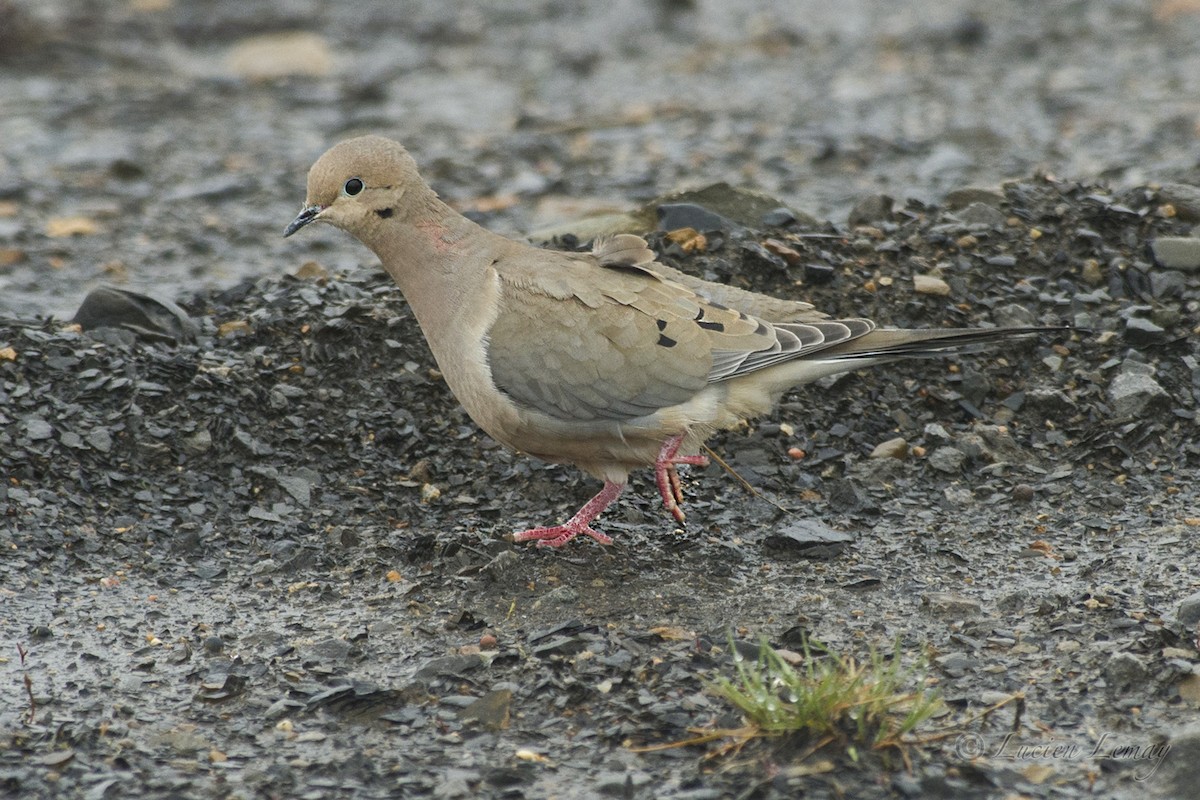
x,y
264,556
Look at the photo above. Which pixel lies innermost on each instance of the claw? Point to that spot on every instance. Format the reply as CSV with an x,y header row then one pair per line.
x,y
558,535
667,477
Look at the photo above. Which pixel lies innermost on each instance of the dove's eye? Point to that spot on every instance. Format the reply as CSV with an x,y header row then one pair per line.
x,y
352,187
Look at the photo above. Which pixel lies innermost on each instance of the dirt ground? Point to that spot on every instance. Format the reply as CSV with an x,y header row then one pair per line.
x,y
265,556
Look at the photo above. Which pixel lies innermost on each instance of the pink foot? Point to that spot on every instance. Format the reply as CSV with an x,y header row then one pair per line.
x,y
668,479
558,535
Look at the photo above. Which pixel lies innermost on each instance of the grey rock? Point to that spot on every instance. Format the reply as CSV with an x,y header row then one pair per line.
x,y
1173,766
892,448
1188,614
1139,330
968,196
216,188
778,217
1014,315
101,440
1185,198
946,161
72,440
1177,252
871,209
620,784
809,539
1133,393
1135,367
951,604
558,596
742,206
453,665
956,664
198,443
10,228
37,428
149,318
673,216
981,214
1166,283
1125,669
947,459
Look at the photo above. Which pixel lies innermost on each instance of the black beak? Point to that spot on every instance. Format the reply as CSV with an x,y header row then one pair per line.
x,y
307,214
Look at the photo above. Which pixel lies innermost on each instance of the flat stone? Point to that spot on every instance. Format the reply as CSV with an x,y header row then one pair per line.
x,y
951,604
809,539
1177,252
37,429
971,195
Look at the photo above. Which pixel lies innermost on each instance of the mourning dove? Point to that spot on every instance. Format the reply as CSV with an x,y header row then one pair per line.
x,y
610,360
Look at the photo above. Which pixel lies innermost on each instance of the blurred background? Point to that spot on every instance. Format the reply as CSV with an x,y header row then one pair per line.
x,y
162,144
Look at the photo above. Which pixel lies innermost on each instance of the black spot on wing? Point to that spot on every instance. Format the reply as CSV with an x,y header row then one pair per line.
x,y
708,326
666,341
662,324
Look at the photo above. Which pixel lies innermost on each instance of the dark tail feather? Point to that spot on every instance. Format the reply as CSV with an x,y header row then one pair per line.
x,y
923,342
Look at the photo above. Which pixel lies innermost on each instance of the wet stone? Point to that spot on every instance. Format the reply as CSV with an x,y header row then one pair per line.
x,y
809,539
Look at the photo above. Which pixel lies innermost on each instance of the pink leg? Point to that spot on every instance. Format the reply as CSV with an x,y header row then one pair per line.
x,y
668,479
559,535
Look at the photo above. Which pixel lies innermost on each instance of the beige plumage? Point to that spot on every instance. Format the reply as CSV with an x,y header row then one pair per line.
x,y
610,361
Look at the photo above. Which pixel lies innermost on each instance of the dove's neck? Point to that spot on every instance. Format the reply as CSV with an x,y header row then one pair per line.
x,y
442,262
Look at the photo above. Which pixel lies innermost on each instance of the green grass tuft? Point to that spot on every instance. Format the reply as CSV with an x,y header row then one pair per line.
x,y
830,697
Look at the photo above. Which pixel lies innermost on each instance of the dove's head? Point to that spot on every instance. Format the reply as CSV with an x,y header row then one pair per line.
x,y
358,182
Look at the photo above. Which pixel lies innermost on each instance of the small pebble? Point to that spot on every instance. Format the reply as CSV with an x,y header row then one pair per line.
x,y
929,284
892,448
